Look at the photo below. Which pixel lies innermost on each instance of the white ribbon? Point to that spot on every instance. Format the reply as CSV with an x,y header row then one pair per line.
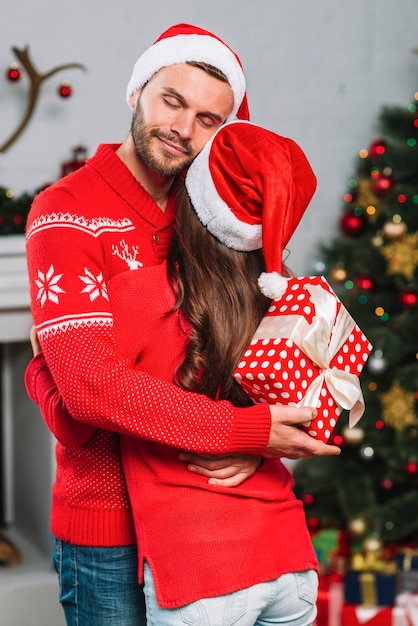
x,y
407,607
320,341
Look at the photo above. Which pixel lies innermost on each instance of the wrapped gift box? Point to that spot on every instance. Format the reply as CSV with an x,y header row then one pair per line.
x,y
407,562
374,616
370,588
330,600
408,602
331,545
307,351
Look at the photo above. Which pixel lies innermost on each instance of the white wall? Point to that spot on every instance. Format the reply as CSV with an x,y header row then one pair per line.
x,y
317,70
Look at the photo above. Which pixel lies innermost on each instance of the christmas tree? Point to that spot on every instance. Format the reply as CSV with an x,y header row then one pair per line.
x,y
371,489
14,211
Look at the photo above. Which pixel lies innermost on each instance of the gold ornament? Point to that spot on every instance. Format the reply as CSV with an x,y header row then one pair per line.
x,y
394,230
357,526
402,256
365,197
338,274
398,407
377,241
353,436
372,544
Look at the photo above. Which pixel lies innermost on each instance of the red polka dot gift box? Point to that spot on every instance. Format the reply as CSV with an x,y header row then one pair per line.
x,y
307,351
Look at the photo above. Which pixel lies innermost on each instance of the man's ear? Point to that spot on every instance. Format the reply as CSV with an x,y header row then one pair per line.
x,y
134,97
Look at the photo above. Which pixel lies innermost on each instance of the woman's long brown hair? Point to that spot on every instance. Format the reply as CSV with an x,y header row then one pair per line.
x,y
216,289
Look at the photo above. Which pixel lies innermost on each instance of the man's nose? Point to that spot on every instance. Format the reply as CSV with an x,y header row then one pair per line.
x,y
183,125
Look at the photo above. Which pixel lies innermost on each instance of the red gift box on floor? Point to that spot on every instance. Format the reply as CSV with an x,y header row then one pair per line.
x,y
330,600
307,351
374,616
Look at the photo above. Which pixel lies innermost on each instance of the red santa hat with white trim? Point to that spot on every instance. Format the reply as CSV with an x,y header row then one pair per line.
x,y
182,43
250,188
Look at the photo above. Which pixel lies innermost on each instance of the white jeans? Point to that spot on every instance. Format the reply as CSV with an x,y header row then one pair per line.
x,y
289,601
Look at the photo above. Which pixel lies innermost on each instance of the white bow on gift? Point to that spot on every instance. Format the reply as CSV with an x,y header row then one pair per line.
x,y
320,341
316,344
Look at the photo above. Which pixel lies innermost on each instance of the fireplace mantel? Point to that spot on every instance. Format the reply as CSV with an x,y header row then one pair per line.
x,y
26,457
15,317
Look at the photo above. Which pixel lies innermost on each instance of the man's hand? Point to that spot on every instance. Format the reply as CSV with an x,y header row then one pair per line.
x,y
289,441
229,470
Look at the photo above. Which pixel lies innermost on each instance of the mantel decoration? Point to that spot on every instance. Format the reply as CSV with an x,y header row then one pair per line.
x,y
35,82
14,209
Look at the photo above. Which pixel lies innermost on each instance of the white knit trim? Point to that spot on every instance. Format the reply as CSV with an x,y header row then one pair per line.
x,y
69,322
183,48
213,211
95,226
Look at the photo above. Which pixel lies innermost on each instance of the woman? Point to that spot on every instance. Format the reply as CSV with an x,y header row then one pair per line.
x,y
209,554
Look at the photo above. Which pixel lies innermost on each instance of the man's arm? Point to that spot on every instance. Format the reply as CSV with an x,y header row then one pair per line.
x,y
68,264
225,470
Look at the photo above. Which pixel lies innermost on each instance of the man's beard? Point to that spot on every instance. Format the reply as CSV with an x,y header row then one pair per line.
x,y
143,139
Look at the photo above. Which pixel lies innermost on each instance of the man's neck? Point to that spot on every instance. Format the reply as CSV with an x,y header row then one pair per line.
x,y
157,186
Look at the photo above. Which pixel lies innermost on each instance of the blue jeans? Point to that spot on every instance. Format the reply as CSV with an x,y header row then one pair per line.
x,y
289,601
98,586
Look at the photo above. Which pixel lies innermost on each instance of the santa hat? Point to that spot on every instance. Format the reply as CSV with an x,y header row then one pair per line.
x,y
250,188
182,43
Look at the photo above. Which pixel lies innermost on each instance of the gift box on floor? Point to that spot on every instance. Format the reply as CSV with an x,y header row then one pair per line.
x,y
372,579
330,600
307,351
374,616
407,562
332,548
370,588
408,602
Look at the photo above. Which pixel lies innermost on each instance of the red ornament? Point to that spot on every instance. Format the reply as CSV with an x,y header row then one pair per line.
x,y
308,498
336,440
411,467
387,483
78,160
364,282
65,90
377,148
382,185
353,225
409,298
313,523
13,73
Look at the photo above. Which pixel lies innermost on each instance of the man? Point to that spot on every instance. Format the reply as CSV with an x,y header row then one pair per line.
x,y
115,214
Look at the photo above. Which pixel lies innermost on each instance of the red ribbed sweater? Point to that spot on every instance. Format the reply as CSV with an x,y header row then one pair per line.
x,y
200,541
82,231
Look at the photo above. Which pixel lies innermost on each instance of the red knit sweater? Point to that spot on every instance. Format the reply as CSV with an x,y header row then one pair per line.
x,y
200,541
82,231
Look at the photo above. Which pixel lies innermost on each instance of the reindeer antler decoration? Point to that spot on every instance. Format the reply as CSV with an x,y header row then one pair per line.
x,y
36,80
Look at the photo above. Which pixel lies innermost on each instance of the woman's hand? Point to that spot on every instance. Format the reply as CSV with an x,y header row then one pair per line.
x,y
228,470
36,346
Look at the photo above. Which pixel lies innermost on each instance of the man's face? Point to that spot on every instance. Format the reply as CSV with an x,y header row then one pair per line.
x,y
176,113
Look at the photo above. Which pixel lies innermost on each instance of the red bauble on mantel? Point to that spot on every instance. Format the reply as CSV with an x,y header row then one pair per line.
x,y
65,89
13,73
353,225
